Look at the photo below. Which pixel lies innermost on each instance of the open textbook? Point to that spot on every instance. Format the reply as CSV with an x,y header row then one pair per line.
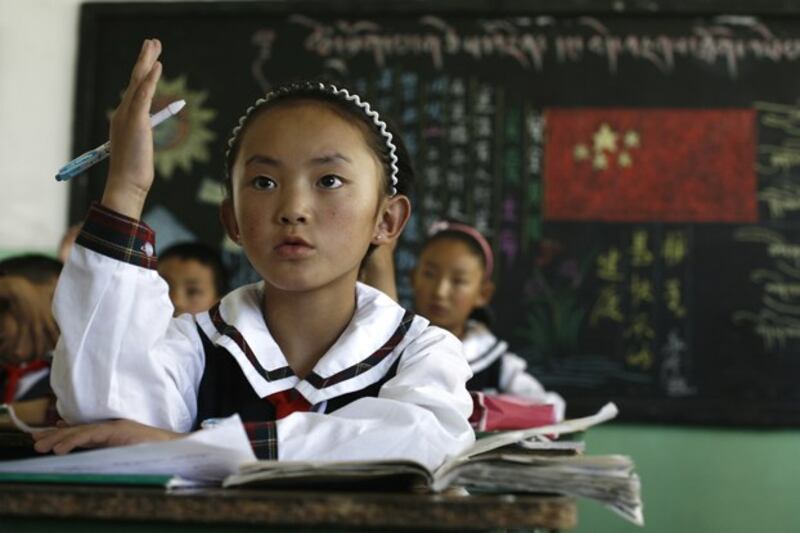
x,y
222,454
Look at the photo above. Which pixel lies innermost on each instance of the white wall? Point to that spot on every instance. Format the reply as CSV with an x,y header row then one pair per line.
x,y
38,64
38,52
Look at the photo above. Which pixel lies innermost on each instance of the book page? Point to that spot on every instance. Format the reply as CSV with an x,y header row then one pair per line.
x,y
319,473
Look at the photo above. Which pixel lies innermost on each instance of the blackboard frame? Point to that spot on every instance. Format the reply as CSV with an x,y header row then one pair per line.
x,y
656,409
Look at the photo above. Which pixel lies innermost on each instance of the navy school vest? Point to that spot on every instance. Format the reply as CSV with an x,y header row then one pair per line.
x,y
489,377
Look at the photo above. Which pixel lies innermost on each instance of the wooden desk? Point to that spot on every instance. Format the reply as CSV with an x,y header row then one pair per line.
x,y
304,509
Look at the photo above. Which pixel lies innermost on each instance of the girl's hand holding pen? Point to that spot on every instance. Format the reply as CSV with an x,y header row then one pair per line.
x,y
131,170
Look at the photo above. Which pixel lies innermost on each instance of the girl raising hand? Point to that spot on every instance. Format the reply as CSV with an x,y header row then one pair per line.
x,y
318,365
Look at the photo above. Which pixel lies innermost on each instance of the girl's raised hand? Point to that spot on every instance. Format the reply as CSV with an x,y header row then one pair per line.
x,y
131,173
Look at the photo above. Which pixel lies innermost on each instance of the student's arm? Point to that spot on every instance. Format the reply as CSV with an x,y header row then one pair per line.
x,y
378,270
420,414
121,355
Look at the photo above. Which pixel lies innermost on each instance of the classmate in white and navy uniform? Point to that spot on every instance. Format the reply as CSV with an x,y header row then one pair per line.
x,y
452,287
319,366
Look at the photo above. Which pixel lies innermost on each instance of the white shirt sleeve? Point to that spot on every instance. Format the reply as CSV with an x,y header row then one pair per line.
x,y
420,414
121,354
515,380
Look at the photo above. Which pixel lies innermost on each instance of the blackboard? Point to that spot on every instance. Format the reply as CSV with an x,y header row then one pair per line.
x,y
636,169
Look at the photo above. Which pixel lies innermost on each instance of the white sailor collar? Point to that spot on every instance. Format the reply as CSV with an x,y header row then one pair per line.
x,y
481,347
237,324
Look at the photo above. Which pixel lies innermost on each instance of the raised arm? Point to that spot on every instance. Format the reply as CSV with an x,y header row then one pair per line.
x,y
119,354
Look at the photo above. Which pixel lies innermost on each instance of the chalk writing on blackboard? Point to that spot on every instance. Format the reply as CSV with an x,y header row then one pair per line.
x,y
779,159
530,44
777,321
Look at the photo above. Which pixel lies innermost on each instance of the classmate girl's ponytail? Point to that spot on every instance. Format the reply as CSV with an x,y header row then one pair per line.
x,y
382,138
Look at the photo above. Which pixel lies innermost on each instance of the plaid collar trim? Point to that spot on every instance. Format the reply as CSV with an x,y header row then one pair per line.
x,y
117,236
340,371
235,335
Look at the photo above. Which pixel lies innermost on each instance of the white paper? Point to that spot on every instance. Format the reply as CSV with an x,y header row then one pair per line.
x,y
208,455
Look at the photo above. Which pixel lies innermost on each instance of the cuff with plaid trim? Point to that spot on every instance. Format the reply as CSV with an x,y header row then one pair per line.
x,y
263,438
118,236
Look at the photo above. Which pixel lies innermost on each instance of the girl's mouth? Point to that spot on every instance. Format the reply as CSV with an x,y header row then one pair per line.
x,y
294,248
437,310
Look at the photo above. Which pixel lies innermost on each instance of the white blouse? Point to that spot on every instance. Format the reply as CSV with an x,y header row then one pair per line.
x,y
482,348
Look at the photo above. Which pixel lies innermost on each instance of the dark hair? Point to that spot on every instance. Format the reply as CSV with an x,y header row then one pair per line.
x,y
36,268
380,133
481,314
203,254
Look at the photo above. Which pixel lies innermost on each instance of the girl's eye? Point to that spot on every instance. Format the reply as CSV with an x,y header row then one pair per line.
x,y
330,182
263,183
193,292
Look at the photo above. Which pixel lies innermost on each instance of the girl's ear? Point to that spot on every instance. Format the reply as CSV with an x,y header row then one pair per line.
x,y
393,219
228,219
485,294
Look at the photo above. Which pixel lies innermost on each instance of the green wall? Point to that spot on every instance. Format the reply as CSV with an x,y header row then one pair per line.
x,y
8,253
703,480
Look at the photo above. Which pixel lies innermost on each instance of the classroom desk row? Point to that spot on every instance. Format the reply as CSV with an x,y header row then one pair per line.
x,y
152,507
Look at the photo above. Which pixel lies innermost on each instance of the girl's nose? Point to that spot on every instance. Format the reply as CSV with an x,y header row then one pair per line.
x,y
293,217
294,207
441,288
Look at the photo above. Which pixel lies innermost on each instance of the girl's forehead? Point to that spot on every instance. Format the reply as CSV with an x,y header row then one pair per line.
x,y
448,250
305,111
303,123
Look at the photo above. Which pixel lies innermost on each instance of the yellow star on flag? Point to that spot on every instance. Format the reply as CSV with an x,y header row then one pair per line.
x,y
631,139
600,162
605,138
580,152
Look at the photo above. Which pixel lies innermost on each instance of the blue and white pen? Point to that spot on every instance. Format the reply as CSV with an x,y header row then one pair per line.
x,y
83,162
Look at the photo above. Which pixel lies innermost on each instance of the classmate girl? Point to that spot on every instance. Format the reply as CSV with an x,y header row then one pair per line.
x,y
317,365
452,286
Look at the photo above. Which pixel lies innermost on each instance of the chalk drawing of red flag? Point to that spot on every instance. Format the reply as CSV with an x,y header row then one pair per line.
x,y
647,165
